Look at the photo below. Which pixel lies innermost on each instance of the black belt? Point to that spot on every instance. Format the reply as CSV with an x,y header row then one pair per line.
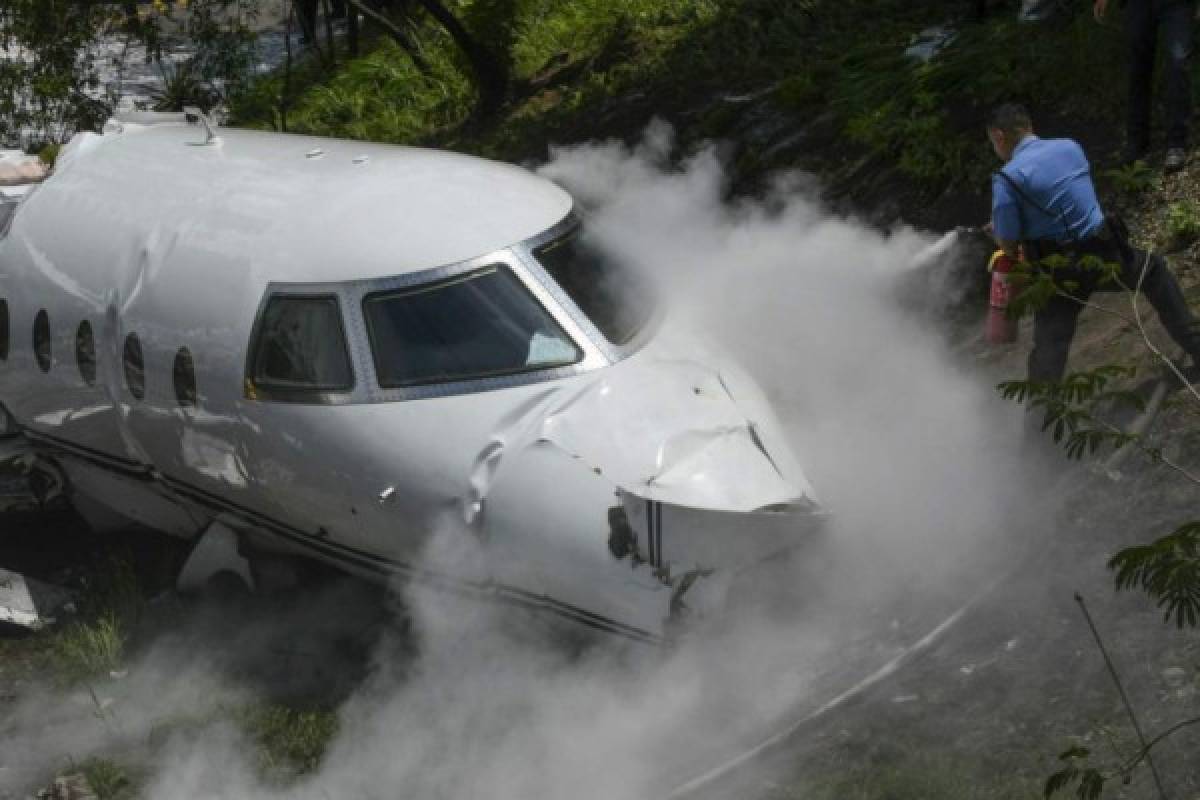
x,y
1102,242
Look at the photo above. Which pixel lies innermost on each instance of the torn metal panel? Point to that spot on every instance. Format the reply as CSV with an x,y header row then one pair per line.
x,y
29,603
673,431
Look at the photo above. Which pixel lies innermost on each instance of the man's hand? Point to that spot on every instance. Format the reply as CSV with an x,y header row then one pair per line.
x,y
1009,247
1098,9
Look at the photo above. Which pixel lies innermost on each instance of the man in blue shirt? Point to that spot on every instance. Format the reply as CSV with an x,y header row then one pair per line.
x,y
1043,199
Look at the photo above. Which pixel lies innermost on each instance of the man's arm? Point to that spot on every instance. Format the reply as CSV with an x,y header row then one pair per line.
x,y
1005,227
1098,9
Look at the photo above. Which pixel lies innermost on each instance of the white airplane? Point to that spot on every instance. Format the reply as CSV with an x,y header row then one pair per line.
x,y
280,344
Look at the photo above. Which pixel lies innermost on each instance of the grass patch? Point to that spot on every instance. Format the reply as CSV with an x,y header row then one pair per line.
x,y
109,780
287,742
95,643
1132,179
86,650
1183,224
290,742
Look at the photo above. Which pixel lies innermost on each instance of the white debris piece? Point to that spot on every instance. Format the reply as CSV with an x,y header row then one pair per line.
x,y
1040,10
29,603
18,169
929,42
68,787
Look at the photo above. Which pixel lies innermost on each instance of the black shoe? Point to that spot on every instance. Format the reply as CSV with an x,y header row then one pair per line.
x,y
1176,159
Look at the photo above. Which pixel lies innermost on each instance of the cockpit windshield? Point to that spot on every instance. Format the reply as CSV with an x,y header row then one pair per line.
x,y
481,324
617,300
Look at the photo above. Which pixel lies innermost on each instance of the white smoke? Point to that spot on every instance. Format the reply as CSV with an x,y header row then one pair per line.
x,y
906,448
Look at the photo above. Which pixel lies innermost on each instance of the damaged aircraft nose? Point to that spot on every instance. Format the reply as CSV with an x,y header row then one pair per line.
x,y
680,432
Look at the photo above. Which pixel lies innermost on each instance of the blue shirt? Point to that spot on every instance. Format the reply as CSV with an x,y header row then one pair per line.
x,y
1055,174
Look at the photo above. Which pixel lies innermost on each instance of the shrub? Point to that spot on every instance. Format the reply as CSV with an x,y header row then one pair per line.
x,y
1183,224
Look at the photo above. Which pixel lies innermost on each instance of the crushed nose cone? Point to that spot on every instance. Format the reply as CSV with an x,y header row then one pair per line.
x,y
29,603
679,432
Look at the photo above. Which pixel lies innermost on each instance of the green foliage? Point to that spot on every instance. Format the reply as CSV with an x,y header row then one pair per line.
x,y
49,154
374,98
1168,570
109,607
1132,179
183,85
108,780
51,89
290,742
1042,280
1068,404
87,650
799,92
43,90
1090,781
1183,223
929,116
222,35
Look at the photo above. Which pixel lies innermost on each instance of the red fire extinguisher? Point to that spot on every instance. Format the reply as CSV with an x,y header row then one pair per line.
x,y
1000,329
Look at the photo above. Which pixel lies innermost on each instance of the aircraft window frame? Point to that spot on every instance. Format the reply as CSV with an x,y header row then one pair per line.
x,y
10,206
296,393
568,226
465,377
43,340
367,389
86,359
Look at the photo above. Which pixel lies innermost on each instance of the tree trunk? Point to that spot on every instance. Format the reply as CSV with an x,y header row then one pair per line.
x,y
352,31
398,34
329,33
491,72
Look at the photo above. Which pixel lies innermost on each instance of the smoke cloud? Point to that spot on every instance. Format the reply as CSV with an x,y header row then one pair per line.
x,y
910,452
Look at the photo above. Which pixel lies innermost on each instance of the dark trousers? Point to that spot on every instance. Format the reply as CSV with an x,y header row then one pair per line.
x,y
1054,324
1144,20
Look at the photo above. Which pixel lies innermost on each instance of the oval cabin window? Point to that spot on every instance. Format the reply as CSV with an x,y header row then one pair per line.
x,y
85,352
3,329
135,368
41,340
184,373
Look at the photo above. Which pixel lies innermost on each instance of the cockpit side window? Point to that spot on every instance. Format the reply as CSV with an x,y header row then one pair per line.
x,y
300,347
617,300
477,325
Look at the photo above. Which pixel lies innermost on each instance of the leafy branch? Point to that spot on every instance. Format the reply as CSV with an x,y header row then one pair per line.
x,y
1068,405
1090,781
1168,570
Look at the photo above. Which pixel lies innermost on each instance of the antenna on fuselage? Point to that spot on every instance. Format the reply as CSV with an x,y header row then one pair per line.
x,y
194,114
